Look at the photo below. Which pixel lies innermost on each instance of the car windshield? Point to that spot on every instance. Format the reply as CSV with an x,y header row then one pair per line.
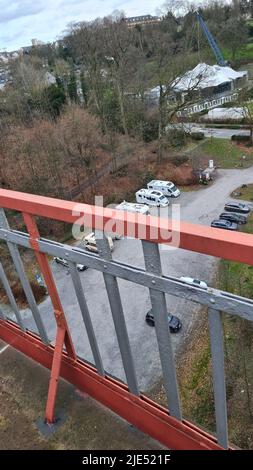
x,y
173,188
196,281
162,198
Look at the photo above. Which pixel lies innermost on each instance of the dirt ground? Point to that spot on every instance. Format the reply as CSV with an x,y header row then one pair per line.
x,y
87,426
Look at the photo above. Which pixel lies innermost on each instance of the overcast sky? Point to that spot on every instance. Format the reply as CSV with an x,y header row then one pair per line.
x,y
22,20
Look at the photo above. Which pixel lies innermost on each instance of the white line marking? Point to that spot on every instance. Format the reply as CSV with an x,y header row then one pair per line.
x,y
4,349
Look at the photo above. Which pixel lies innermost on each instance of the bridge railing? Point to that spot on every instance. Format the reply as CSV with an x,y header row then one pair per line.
x,y
165,424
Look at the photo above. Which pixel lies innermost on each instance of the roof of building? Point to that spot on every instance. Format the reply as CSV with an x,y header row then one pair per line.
x,y
206,76
142,18
235,113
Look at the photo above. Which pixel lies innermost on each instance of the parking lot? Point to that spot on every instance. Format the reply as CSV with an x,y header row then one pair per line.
x,y
201,207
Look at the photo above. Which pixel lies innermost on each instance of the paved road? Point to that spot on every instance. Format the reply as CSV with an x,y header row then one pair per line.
x,y
212,132
221,133
198,207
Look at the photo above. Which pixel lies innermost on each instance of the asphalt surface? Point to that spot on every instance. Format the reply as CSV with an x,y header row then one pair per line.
x,y
212,131
199,207
220,133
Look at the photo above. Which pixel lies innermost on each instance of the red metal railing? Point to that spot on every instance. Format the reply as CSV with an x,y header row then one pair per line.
x,y
137,409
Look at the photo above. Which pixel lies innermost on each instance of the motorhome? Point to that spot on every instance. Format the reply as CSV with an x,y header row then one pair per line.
x,y
91,245
133,207
151,197
166,187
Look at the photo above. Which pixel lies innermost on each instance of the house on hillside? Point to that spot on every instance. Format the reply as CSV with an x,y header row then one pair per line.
x,y
206,87
208,81
141,20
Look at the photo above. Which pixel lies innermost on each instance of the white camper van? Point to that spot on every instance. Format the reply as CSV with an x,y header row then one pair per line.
x,y
91,245
151,197
132,207
166,187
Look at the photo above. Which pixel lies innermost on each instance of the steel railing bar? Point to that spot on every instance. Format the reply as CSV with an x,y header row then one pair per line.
x,y
113,293
16,258
11,297
159,309
222,301
218,370
2,316
86,317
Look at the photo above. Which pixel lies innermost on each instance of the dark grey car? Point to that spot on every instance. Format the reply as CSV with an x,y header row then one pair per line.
x,y
237,218
237,207
225,224
174,323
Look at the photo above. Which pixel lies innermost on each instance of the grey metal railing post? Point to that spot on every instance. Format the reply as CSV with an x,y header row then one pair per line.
x,y
16,258
112,288
159,308
219,387
10,296
86,317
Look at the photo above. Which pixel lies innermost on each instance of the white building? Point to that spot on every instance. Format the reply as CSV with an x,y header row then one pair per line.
x,y
209,81
206,86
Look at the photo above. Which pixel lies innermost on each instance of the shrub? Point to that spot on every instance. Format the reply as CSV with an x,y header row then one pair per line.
x,y
150,129
197,135
145,177
111,199
240,138
179,160
176,137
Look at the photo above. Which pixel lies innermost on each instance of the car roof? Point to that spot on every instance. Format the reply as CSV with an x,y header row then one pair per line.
x,y
90,236
150,192
236,204
220,221
162,182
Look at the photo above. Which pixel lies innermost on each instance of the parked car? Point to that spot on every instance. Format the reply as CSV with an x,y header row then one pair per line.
x,y
232,217
133,207
166,187
194,282
174,323
237,207
64,262
225,224
91,244
151,197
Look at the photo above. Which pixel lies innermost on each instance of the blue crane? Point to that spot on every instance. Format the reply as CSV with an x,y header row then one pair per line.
x,y
213,44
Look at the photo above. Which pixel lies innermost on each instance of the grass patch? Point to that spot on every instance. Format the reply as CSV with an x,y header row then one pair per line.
x,y
245,52
225,153
245,193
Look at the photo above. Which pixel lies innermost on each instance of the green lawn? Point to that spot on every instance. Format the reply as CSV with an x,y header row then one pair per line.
x,y
245,52
246,193
225,153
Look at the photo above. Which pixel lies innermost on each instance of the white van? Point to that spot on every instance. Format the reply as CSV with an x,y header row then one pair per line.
x,y
166,187
151,197
91,245
132,207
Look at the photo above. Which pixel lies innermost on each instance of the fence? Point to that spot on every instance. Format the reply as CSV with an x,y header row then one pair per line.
x,y
126,399
208,104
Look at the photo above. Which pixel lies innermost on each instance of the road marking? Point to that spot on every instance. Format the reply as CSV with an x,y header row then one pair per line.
x,y
4,348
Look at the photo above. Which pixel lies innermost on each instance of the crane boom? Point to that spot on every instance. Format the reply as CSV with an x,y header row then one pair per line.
x,y
213,44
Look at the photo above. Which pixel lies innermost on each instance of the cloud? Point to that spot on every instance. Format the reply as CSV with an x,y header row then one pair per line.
x,y
15,9
22,20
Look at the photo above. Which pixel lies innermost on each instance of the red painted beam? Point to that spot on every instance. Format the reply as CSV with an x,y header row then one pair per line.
x,y
142,412
234,246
